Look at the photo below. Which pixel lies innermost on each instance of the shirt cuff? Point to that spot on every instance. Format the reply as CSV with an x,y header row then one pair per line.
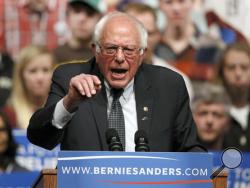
x,y
61,116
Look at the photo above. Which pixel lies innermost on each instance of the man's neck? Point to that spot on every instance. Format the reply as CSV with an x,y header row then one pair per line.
x,y
178,37
179,32
239,97
214,146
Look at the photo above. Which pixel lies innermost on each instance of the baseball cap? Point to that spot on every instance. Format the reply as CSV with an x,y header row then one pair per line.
x,y
98,5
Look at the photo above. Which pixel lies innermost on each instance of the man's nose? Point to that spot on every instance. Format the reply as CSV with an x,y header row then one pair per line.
x,y
82,15
209,119
238,73
119,56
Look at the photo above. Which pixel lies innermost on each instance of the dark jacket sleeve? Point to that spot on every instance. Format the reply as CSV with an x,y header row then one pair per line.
x,y
185,129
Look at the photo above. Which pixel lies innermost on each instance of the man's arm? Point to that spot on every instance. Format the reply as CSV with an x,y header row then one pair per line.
x,y
185,129
44,129
41,132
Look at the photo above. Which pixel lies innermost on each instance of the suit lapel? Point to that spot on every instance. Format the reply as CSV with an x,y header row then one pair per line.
x,y
99,109
144,100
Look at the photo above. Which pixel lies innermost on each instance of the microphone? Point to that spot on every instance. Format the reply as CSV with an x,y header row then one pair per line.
x,y
141,141
113,140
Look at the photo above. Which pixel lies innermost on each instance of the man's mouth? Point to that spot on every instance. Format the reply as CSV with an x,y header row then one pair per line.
x,y
119,71
119,74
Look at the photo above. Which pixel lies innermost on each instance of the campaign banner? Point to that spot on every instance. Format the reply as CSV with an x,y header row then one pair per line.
x,y
238,177
31,156
18,179
134,169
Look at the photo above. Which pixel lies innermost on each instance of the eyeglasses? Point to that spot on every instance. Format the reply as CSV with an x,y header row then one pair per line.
x,y
128,51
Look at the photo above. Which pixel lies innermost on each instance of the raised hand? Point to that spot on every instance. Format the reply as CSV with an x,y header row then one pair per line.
x,y
81,87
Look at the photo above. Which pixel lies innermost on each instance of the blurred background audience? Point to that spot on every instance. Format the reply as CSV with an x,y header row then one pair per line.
x,y
183,44
8,147
31,83
234,71
24,22
6,69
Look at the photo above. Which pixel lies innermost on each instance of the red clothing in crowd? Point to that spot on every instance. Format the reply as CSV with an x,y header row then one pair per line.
x,y
20,27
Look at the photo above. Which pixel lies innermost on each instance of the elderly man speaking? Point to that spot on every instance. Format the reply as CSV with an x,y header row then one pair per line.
x,y
86,97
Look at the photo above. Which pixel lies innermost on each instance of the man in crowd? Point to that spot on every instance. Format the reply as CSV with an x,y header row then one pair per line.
x,y
211,114
81,17
183,44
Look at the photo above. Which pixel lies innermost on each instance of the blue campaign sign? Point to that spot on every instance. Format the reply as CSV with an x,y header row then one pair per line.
x,y
134,169
18,180
31,156
238,177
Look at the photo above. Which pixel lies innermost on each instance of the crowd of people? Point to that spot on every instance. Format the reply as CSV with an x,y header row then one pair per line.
x,y
36,36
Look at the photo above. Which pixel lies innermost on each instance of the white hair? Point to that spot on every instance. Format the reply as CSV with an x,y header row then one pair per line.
x,y
102,22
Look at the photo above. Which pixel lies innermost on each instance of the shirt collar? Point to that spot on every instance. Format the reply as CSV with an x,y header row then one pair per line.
x,y
128,90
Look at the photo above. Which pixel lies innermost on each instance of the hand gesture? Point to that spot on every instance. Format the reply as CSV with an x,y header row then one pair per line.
x,y
81,87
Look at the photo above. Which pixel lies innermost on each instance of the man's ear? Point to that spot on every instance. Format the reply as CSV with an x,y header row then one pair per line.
x,y
143,55
95,48
144,51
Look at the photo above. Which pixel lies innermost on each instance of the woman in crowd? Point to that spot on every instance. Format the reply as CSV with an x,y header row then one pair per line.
x,y
234,71
31,82
8,148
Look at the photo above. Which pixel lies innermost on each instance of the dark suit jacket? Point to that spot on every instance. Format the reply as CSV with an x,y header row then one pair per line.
x,y
236,133
168,121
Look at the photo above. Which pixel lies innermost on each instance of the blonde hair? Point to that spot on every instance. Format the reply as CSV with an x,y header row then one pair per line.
x,y
23,107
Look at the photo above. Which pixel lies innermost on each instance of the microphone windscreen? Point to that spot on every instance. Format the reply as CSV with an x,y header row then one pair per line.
x,y
140,134
111,133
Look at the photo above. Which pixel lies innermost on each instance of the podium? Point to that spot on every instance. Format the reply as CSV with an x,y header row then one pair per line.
x,y
48,179
131,169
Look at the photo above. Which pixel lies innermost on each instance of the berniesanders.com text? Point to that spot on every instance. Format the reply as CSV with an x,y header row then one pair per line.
x,y
78,170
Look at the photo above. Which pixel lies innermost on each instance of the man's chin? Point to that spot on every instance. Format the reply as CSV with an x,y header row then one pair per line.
x,y
210,140
118,83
